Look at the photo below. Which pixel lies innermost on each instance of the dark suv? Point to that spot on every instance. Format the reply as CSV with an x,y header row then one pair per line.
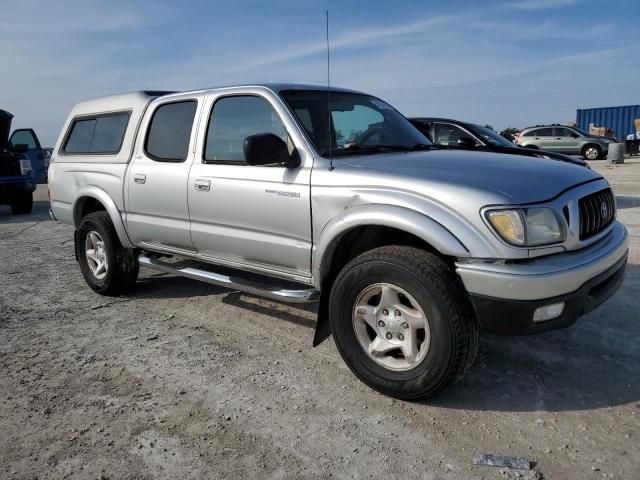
x,y
454,134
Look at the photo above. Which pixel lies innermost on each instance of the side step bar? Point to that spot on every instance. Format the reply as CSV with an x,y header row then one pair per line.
x,y
267,291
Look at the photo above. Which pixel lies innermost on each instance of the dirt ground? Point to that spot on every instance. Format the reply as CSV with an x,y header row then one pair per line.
x,y
184,380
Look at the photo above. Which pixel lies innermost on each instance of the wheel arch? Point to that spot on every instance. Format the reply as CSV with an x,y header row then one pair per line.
x,y
588,145
363,228
410,223
92,199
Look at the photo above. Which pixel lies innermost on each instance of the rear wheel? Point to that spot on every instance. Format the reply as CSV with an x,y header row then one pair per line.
x,y
22,204
107,267
592,152
402,322
531,147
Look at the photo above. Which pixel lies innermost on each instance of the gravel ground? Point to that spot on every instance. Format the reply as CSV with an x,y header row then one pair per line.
x,y
183,379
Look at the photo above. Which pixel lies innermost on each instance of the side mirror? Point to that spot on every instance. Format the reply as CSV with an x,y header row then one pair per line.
x,y
268,149
20,148
466,142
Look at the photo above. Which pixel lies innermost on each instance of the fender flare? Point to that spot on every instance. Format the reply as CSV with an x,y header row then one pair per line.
x,y
402,218
103,197
410,221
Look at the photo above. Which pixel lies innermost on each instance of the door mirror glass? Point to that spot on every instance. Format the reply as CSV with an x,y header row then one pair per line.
x,y
268,149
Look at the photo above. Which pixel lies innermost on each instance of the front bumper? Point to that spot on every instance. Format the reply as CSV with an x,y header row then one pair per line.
x,y
505,296
515,317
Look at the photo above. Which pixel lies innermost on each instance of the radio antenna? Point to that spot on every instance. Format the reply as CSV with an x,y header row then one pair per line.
x,y
329,97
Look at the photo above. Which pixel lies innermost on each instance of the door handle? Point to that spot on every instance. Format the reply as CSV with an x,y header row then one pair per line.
x,y
202,184
140,178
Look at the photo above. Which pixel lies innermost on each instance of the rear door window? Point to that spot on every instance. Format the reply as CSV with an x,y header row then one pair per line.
x,y
544,132
102,134
169,132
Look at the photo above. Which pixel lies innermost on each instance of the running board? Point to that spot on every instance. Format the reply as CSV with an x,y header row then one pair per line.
x,y
254,288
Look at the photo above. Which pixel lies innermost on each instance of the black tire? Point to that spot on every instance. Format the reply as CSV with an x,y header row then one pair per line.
x,y
123,262
531,147
589,146
23,204
432,283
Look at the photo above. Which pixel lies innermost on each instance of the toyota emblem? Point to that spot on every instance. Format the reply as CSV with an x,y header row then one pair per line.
x,y
604,210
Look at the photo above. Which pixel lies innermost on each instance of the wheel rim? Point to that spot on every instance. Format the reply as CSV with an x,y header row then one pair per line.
x,y
96,255
591,153
391,327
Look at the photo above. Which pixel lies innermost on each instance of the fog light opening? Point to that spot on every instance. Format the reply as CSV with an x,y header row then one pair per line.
x,y
548,312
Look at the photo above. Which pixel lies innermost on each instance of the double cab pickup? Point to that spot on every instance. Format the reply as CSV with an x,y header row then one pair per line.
x,y
300,193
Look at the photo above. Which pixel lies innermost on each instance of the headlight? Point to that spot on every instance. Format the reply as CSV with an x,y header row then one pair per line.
x,y
527,226
25,166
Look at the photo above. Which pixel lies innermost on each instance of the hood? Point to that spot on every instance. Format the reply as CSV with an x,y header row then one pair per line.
x,y
521,179
518,150
602,138
5,128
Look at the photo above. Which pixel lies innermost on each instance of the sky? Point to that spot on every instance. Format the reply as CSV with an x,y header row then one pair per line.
x,y
506,63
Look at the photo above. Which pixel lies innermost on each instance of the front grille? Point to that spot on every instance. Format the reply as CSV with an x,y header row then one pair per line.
x,y
597,211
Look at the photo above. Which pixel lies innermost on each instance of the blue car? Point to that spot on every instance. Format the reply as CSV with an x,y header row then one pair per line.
x,y
17,179
34,151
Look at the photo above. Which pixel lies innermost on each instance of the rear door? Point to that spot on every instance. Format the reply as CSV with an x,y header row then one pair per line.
x,y
544,139
157,211
256,216
35,154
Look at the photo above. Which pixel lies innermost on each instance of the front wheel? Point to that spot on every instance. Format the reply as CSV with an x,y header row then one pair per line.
x,y
402,322
107,267
592,152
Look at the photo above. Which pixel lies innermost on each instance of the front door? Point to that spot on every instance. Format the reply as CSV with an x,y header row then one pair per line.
x,y
566,141
157,212
447,136
256,216
35,154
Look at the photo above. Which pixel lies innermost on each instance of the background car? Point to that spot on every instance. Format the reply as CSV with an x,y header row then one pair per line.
x,y
33,151
17,181
448,133
564,139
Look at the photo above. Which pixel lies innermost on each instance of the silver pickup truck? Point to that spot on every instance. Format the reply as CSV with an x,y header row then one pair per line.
x,y
300,194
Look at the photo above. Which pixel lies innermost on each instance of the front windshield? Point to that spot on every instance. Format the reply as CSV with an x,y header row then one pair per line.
x,y
491,136
359,123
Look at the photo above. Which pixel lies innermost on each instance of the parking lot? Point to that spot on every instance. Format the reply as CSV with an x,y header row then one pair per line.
x,y
183,379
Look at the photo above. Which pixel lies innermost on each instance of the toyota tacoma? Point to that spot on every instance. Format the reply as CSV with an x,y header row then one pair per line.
x,y
299,193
